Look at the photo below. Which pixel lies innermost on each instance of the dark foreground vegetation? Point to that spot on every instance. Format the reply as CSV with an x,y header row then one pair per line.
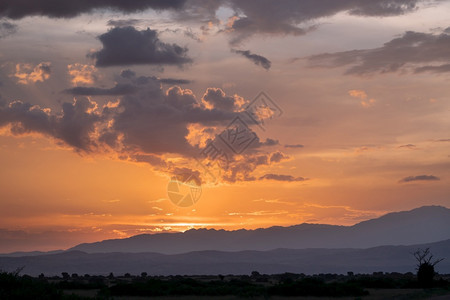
x,y
258,286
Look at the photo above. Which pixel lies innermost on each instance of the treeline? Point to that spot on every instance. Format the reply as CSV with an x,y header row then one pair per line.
x,y
15,286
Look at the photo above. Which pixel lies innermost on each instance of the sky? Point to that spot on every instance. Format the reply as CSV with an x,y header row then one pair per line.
x,y
275,112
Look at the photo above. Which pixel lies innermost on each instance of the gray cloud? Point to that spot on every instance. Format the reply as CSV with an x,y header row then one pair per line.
x,y
277,157
419,178
272,17
118,89
46,68
124,22
7,28
270,142
129,74
408,146
139,126
73,126
415,50
129,46
434,69
16,9
256,59
174,81
241,170
293,146
280,177
216,98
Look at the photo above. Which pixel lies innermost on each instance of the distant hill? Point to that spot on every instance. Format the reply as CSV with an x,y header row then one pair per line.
x,y
418,226
308,261
31,253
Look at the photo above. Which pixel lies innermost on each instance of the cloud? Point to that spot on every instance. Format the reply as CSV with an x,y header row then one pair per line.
x,y
279,177
7,28
68,9
173,81
360,94
408,146
144,124
140,80
419,178
241,168
74,126
293,146
256,59
135,82
433,69
84,74
26,73
416,51
277,157
270,142
216,98
124,22
118,89
292,16
129,46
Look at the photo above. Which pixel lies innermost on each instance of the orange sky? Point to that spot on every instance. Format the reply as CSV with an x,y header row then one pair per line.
x,y
356,138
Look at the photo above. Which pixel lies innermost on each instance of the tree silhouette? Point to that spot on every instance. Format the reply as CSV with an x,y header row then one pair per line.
x,y
425,267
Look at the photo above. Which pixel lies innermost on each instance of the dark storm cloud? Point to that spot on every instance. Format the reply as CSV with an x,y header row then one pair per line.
x,y
419,178
16,9
129,46
293,146
256,59
118,89
7,28
413,50
290,16
280,177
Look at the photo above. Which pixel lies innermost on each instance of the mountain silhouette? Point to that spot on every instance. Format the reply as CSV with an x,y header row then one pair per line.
x,y
422,225
308,261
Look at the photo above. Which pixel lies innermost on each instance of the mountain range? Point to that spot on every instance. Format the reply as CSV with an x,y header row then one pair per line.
x,y
418,226
383,244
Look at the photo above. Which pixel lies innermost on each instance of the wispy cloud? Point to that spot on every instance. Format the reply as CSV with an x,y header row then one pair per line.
x,y
419,178
416,51
294,146
255,58
281,177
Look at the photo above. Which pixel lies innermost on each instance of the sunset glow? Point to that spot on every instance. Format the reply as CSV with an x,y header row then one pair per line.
x,y
100,107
